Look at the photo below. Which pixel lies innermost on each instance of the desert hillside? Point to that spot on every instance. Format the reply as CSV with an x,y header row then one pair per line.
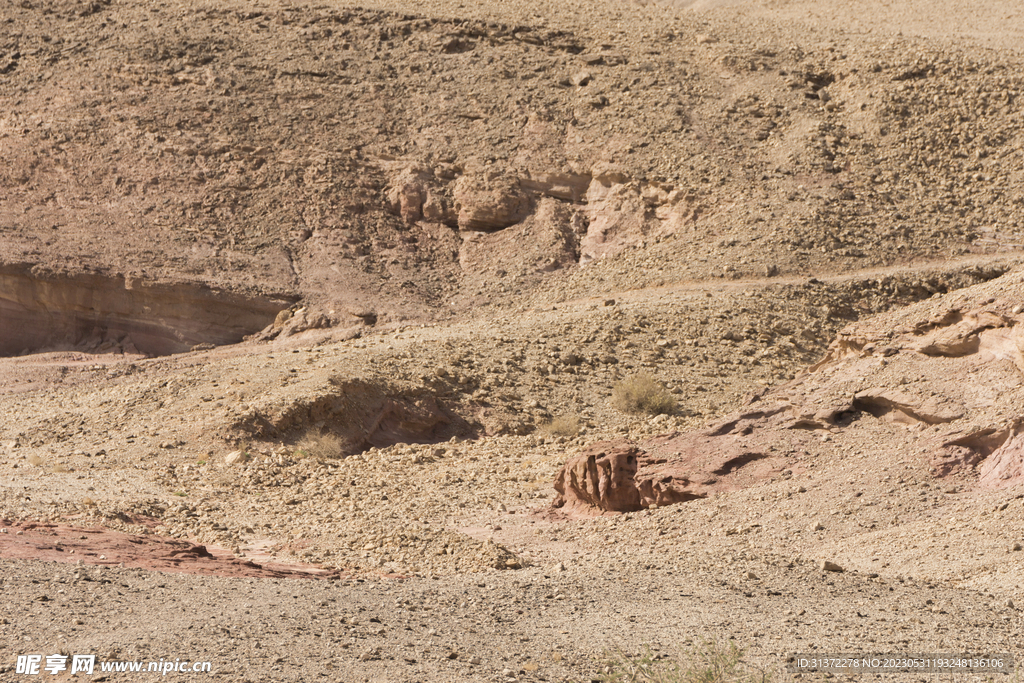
x,y
436,341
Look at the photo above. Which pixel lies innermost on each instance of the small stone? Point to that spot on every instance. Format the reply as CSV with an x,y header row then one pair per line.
x,y
752,576
558,567
609,302
581,78
817,526
827,566
531,666
474,661
236,458
1009,603
1015,547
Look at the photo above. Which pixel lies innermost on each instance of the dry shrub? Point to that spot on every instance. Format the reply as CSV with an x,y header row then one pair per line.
x,y
563,425
321,446
643,394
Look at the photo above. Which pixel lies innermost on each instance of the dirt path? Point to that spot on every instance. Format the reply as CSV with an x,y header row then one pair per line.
x,y
1005,260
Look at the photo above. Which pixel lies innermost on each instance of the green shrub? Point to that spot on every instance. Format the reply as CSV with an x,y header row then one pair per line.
x,y
641,394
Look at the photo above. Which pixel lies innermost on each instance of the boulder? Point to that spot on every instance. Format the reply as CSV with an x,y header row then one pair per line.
x,y
236,458
489,202
408,193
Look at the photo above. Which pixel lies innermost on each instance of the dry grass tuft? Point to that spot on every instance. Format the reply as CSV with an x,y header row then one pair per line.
x,y
564,425
321,446
641,394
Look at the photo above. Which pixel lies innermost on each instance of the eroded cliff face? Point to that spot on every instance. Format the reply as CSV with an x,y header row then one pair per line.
x,y
41,311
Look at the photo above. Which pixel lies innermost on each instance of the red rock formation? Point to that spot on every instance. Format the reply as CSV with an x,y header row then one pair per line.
x,y
600,477
619,476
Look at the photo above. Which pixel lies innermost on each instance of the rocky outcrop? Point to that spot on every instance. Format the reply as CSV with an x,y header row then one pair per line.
x,y
1004,466
620,476
362,414
618,218
616,212
408,193
601,477
416,193
945,387
950,371
490,201
624,212
961,335
291,323
568,187
544,242
901,406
